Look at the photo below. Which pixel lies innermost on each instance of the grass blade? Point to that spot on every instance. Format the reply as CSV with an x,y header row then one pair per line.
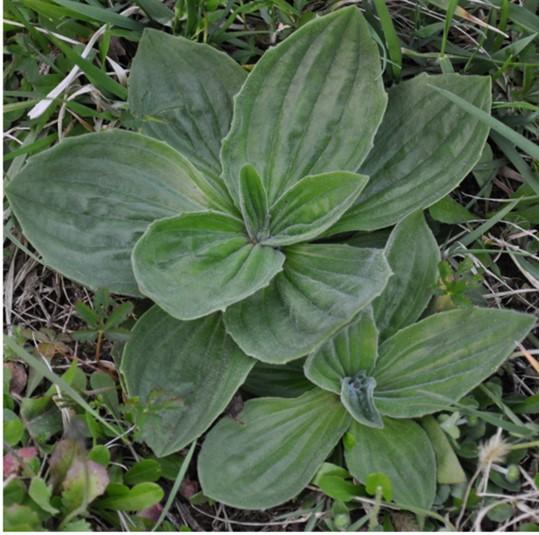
x,y
392,40
518,139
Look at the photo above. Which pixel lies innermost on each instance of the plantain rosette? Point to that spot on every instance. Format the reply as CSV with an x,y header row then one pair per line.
x,y
213,210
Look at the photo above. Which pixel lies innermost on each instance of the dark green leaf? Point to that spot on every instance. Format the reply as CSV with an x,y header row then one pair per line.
x,y
321,288
84,203
312,104
425,146
254,204
403,452
431,364
413,255
183,93
272,450
140,497
185,374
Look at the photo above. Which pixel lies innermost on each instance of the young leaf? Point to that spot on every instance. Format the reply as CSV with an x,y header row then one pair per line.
x,y
185,374
357,396
41,494
182,91
272,450
254,204
321,288
425,146
403,452
449,470
312,104
350,351
141,496
145,470
312,205
431,364
84,203
412,253
198,263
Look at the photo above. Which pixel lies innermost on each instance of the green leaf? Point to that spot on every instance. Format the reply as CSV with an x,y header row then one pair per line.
x,y
145,470
277,380
272,450
321,288
185,374
334,481
254,204
450,212
357,396
13,428
312,104
21,518
312,205
403,452
413,255
350,351
379,483
198,263
449,470
84,203
141,496
182,91
425,146
41,494
431,364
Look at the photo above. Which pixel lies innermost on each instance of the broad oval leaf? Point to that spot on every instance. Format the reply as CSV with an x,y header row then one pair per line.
x,y
277,380
403,452
311,104
184,373
272,450
413,254
84,203
430,365
425,146
182,91
352,350
322,287
198,263
312,205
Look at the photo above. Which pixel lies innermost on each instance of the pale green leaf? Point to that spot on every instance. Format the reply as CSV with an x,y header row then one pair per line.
x,y
141,496
41,494
185,374
350,351
312,205
84,203
425,146
412,253
182,91
198,263
449,470
431,364
254,204
311,104
321,288
272,450
403,452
